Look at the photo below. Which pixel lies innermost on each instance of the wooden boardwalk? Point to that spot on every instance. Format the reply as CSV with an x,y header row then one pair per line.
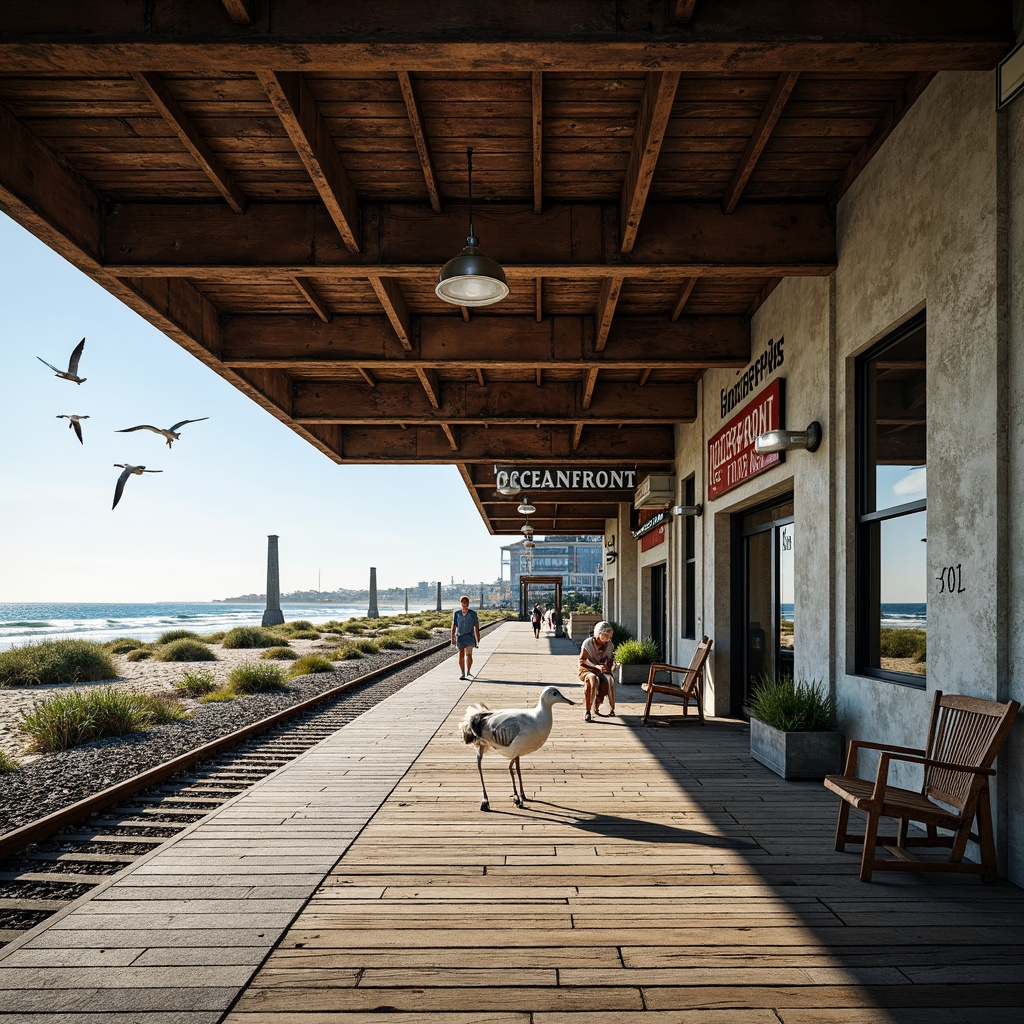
x,y
658,876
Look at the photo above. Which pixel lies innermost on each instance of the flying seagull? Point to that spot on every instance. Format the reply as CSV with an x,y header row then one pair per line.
x,y
75,423
170,434
72,370
512,732
128,471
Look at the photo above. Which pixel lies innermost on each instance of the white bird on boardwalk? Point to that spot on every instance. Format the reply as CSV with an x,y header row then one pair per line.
x,y
72,370
170,434
75,424
512,732
128,471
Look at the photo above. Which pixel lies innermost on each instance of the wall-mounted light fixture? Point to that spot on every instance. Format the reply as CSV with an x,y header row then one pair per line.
x,y
610,554
471,278
788,440
688,510
525,508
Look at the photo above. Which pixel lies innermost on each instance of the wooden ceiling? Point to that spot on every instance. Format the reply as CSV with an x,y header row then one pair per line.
x,y
276,185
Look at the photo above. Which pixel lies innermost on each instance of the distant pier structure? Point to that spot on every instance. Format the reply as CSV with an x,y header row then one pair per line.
x,y
273,616
372,613
438,595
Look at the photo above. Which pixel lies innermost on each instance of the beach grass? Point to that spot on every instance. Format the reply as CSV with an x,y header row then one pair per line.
x,y
309,665
242,637
55,661
8,764
253,677
140,654
346,652
218,696
177,634
124,645
194,684
279,654
185,649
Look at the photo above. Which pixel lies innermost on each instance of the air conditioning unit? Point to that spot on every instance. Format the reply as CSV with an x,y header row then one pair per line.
x,y
655,491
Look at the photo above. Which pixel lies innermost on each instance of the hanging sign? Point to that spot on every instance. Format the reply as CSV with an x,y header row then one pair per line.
x,y
513,479
731,456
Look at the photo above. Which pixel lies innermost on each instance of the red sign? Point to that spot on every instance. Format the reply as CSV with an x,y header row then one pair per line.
x,y
655,536
731,456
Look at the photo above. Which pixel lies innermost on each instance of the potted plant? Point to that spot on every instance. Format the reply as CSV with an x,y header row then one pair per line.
x,y
633,660
794,728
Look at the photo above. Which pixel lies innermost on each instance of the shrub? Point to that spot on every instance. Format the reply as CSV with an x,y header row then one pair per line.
x,y
421,634
55,661
346,652
793,707
366,646
140,654
301,624
390,643
253,677
217,696
637,652
279,654
8,764
304,634
904,643
194,684
177,634
67,720
186,650
620,634
123,645
213,638
250,636
310,664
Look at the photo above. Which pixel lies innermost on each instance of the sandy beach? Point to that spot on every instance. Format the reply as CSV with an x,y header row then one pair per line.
x,y
141,676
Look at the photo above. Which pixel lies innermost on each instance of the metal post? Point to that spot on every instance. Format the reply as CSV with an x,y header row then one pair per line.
x,y
372,612
273,616
438,595
407,600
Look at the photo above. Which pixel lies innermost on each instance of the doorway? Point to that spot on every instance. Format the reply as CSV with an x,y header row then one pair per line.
x,y
764,604
659,608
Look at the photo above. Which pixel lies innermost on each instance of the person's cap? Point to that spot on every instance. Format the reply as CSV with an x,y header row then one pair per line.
x,y
603,627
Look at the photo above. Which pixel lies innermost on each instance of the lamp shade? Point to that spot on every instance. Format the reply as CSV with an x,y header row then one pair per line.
x,y
471,278
772,441
525,508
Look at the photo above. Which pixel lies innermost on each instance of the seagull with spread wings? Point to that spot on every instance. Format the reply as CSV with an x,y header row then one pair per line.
x,y
128,471
170,434
72,371
75,423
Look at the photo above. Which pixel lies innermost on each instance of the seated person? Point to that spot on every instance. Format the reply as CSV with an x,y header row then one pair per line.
x,y
597,659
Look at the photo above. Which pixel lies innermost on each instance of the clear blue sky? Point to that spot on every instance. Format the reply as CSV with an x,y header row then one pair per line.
x,y
197,530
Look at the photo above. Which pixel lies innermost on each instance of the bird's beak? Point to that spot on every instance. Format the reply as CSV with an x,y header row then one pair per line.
x,y
567,701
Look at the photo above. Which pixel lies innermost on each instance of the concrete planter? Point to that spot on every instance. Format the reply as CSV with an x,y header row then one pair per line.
x,y
631,674
796,755
581,626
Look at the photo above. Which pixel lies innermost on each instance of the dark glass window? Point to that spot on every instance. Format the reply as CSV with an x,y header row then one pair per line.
x,y
892,493
689,563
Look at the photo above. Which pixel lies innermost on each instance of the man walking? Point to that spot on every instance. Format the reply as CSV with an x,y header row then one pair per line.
x,y
465,636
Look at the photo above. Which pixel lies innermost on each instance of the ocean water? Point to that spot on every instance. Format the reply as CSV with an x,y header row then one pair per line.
x,y
894,616
30,623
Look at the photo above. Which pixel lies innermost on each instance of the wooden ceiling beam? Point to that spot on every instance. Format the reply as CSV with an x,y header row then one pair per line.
x,y
557,402
307,289
566,242
685,290
589,384
606,303
299,114
450,433
651,122
419,135
181,124
241,12
537,110
780,93
430,385
507,342
396,309
367,376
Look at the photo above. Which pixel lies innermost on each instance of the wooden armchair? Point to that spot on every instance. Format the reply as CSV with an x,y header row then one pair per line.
x,y
690,687
964,736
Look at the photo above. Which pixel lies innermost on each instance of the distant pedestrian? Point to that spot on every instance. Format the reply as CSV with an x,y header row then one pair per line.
x,y
535,621
465,636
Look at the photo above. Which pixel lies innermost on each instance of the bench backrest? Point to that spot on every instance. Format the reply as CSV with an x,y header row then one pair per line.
x,y
967,731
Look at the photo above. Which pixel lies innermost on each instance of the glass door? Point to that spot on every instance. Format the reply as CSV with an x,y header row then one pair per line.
x,y
659,609
766,538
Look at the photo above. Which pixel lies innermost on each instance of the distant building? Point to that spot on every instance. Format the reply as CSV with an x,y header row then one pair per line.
x,y
578,560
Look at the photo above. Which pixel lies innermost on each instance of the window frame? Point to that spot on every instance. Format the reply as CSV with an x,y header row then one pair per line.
x,y
688,552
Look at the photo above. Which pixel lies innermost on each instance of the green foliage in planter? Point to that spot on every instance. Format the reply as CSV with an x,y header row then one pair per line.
x,y
620,634
903,643
242,637
67,720
794,707
123,645
177,634
55,661
308,665
253,677
185,649
279,654
637,652
8,764
194,684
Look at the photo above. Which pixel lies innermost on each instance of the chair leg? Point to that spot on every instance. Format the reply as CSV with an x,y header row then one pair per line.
x,y
901,833
647,707
989,867
867,859
842,825
611,692
699,690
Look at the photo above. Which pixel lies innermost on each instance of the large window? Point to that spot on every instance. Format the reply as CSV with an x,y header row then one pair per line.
x,y
892,491
689,563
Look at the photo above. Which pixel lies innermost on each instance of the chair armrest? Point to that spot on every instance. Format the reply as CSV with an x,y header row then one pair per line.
x,y
679,669
850,770
882,777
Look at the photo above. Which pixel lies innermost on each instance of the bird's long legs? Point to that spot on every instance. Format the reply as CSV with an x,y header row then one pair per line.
x,y
519,772
484,804
516,798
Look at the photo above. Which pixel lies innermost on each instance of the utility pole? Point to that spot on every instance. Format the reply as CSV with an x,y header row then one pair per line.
x,y
273,616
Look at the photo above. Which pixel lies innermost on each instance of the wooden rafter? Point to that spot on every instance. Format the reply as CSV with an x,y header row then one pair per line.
x,y
645,376
298,111
420,137
241,12
367,376
538,298
540,377
480,377
682,298
603,315
651,121
537,106
310,294
449,432
780,93
682,11
577,434
180,123
431,384
389,292
589,383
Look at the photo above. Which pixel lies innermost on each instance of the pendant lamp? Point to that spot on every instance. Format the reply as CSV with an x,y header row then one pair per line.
x,y
471,278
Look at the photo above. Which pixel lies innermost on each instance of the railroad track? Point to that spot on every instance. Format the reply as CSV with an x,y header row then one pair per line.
x,y
50,862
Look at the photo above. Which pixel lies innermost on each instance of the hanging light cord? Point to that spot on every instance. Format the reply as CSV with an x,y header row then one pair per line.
x,y
472,240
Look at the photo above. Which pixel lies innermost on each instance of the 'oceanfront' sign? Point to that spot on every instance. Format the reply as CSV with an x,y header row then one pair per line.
x,y
731,456
510,480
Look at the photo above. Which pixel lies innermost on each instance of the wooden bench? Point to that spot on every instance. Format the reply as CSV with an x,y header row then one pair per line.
x,y
690,687
964,736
